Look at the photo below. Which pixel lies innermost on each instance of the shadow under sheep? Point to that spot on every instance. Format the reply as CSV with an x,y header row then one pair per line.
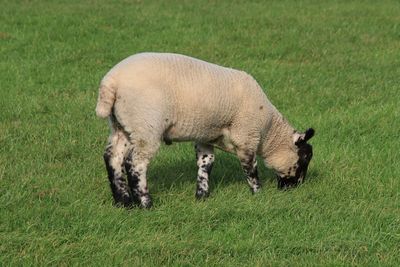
x,y
226,170
181,173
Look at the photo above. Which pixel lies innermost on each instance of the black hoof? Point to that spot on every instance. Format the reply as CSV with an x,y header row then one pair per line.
x,y
123,201
201,194
286,184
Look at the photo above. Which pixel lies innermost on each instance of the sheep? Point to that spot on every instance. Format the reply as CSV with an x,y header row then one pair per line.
x,y
152,98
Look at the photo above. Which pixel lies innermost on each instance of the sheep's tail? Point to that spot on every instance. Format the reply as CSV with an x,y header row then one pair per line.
x,y
106,99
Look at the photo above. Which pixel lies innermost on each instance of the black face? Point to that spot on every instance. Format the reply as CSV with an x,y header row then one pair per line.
x,y
305,154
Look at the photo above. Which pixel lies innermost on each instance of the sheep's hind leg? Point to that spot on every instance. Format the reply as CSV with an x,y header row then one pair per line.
x,y
114,158
249,165
136,163
205,160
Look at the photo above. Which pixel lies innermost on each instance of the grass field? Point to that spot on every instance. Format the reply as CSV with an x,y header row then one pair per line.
x,y
332,65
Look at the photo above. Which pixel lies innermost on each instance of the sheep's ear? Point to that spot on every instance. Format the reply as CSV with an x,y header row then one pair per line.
x,y
308,134
303,137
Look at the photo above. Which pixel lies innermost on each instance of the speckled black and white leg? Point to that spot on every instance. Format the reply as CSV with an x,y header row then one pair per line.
x,y
249,164
205,160
114,158
136,169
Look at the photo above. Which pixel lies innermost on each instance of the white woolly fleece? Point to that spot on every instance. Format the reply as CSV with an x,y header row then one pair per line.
x,y
163,96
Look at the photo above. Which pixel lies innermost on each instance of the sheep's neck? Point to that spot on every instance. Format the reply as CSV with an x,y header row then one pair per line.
x,y
279,134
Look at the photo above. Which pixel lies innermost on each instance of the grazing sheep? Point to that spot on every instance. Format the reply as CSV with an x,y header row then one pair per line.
x,y
155,97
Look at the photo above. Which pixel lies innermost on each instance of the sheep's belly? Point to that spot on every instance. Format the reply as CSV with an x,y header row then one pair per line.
x,y
217,137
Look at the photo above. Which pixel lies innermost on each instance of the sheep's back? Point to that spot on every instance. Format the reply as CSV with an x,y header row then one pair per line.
x,y
197,98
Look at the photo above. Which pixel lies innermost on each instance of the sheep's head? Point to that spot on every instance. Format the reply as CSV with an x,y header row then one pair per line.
x,y
293,168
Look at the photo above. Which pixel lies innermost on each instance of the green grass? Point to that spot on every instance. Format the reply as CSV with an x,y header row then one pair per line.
x,y
332,65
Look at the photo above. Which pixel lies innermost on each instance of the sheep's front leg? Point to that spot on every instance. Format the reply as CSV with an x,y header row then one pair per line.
x,y
205,160
136,169
113,158
249,165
